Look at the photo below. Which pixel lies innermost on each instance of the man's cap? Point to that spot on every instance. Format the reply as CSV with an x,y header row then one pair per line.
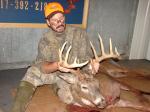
x,y
53,7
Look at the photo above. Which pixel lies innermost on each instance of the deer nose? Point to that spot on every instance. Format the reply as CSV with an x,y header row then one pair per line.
x,y
101,103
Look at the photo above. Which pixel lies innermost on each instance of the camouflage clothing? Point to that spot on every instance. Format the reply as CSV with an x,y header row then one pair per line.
x,y
48,51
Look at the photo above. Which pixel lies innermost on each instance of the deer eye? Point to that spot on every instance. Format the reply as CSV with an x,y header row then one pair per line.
x,y
84,87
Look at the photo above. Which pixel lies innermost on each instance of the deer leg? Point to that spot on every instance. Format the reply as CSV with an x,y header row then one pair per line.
x,y
128,104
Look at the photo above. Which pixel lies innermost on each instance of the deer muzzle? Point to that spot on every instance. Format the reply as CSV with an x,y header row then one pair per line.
x,y
100,102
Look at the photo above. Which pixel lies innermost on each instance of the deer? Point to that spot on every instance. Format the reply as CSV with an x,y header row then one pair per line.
x,y
87,90
111,87
80,88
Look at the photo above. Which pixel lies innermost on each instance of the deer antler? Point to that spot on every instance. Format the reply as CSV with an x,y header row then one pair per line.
x,y
103,54
64,63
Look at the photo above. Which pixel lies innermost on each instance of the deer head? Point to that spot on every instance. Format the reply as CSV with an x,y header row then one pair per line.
x,y
83,87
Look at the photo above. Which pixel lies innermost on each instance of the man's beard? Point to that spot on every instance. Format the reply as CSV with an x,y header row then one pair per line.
x,y
63,26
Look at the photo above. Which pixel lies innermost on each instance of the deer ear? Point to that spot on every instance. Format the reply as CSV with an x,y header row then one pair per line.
x,y
69,78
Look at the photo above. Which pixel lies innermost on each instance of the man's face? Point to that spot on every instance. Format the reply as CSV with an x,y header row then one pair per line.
x,y
57,22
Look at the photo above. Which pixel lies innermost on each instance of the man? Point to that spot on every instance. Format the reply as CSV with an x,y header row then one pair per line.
x,y
47,65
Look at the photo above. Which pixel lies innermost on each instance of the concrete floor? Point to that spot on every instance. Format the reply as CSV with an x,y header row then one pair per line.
x,y
9,79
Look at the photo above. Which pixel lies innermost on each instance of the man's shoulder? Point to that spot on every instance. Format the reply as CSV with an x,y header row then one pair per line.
x,y
48,33
44,39
74,28
47,36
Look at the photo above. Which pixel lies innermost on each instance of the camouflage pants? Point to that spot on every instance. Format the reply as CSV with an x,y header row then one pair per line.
x,y
37,78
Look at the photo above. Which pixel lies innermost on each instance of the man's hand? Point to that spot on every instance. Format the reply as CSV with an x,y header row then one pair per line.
x,y
62,68
94,66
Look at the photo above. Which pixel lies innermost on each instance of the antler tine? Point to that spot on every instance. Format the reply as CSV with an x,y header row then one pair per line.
x,y
110,47
116,51
101,44
61,51
67,54
78,61
75,60
94,51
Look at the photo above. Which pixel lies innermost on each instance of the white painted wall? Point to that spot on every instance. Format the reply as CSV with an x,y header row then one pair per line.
x,y
141,35
148,52
18,46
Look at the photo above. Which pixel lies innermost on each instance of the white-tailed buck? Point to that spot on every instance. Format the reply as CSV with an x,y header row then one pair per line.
x,y
85,90
80,88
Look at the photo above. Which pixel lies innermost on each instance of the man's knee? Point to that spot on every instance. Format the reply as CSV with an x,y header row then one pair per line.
x,y
33,76
24,94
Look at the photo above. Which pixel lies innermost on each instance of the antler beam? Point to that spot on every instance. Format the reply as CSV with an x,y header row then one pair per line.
x,y
103,54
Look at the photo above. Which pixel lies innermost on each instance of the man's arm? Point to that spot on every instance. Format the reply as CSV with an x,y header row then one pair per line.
x,y
49,67
45,62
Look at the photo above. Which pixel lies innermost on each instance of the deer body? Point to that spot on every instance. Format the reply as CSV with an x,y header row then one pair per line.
x,y
100,92
85,90
111,91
